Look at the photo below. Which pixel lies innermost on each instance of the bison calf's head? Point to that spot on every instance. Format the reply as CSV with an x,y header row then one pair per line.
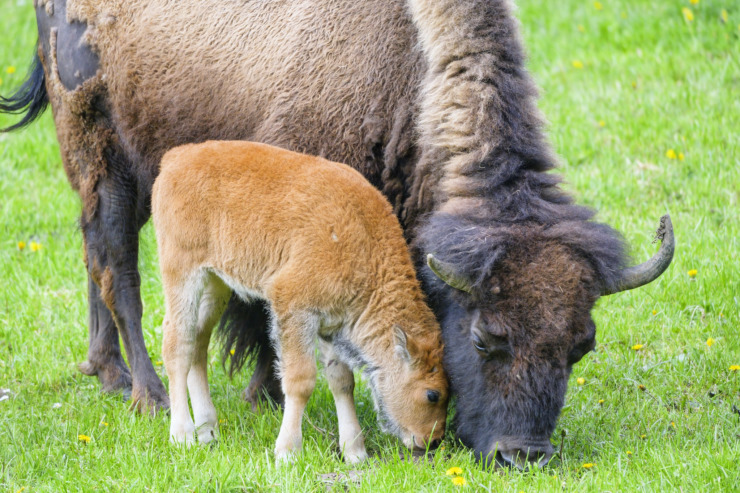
x,y
412,396
514,329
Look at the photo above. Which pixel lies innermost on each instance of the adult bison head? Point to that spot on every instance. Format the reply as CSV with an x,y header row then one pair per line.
x,y
518,318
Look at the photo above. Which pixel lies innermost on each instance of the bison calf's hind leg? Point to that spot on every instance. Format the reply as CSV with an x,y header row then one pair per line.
x,y
342,385
298,375
193,306
212,304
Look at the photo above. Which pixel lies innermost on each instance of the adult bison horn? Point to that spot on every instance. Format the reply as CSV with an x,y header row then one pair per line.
x,y
639,275
445,272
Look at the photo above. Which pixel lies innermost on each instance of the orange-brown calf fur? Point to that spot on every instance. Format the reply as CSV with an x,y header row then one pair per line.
x,y
316,241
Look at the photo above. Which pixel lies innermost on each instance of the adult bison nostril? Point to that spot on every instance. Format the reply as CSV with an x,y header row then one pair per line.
x,y
522,458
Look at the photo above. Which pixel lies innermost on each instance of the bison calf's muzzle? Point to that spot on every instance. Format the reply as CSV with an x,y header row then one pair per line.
x,y
321,247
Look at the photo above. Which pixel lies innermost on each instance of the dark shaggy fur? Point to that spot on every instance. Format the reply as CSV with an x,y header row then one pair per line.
x,y
244,329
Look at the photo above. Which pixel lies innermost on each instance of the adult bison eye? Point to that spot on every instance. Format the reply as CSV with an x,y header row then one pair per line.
x,y
478,344
433,396
497,346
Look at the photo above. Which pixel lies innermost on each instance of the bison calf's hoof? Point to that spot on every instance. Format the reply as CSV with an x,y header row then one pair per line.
x,y
207,433
355,456
182,435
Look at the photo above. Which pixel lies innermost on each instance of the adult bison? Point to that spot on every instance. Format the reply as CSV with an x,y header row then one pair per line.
x,y
429,99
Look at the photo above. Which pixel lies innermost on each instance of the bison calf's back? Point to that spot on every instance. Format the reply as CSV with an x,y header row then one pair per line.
x,y
321,246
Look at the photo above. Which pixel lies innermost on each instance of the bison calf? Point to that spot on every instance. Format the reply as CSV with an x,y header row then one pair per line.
x,y
322,247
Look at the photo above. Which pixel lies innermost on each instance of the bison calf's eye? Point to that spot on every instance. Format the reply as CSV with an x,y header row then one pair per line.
x,y
433,395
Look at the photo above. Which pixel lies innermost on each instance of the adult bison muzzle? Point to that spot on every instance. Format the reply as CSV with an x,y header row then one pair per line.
x,y
429,99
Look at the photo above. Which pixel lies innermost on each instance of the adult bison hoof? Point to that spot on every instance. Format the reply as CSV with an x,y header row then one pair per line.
x,y
114,377
263,398
149,399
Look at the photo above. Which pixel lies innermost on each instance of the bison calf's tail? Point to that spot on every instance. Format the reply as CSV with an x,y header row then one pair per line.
x,y
30,99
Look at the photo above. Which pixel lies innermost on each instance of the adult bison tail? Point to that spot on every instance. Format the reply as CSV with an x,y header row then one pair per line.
x,y
30,99
243,332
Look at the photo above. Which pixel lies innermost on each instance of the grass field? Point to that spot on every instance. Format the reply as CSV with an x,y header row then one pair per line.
x,y
643,100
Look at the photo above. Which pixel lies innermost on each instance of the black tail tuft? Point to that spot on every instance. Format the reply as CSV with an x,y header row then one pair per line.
x,y
30,99
244,327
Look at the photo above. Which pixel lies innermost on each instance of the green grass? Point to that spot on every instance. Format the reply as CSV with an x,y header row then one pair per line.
x,y
656,81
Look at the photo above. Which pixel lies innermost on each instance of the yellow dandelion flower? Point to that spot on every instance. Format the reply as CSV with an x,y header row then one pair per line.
x,y
221,421
83,438
629,453
671,154
454,471
232,352
158,363
694,1
581,28
21,490
602,123
691,273
581,381
643,437
724,16
655,312
687,14
734,367
601,401
681,156
10,70
642,387
21,245
459,481
588,465
104,423
598,6
35,247
634,84
637,347
710,342
673,424
577,64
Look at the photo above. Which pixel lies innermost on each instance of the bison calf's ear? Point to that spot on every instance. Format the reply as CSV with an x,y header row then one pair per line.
x,y
401,344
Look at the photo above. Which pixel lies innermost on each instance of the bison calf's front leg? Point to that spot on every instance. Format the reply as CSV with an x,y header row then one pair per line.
x,y
342,385
298,370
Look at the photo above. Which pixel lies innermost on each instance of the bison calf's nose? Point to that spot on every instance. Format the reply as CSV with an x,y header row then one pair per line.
x,y
524,457
423,445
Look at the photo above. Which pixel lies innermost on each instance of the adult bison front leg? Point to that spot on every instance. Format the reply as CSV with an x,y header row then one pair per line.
x,y
104,357
111,247
114,204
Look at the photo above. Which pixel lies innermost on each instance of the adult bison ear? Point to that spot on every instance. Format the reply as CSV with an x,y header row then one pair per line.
x,y
646,272
445,272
